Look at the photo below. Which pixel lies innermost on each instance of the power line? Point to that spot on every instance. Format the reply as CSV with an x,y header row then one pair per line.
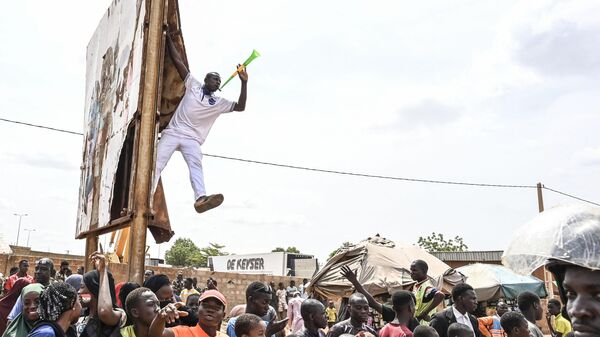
x,y
570,195
355,174
41,126
370,175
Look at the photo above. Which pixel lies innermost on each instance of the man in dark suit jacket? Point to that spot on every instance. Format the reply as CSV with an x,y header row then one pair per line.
x,y
465,302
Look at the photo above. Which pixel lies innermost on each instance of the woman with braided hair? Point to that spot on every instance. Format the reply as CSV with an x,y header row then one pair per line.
x,y
58,309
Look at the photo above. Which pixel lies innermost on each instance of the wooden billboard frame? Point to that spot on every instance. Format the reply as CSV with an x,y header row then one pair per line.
x,y
156,91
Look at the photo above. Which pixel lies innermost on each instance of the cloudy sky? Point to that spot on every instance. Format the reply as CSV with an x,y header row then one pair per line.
x,y
501,92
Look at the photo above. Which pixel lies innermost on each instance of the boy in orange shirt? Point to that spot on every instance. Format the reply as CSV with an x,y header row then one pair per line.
x,y
211,311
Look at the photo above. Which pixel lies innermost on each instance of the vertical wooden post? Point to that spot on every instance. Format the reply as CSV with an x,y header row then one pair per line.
x,y
540,197
548,279
91,245
147,138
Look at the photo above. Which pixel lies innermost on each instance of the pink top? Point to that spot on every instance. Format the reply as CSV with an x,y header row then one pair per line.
x,y
395,330
294,314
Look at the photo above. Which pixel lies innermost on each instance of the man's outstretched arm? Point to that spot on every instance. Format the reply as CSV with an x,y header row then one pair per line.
x,y
350,275
176,58
241,103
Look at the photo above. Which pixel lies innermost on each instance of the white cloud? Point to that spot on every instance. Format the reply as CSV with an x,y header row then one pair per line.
x,y
588,157
428,113
561,47
44,160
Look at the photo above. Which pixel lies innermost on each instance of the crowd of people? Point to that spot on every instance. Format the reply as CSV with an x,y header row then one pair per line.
x,y
62,304
415,313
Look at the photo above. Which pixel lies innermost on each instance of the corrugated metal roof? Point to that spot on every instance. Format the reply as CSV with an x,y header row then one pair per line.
x,y
474,256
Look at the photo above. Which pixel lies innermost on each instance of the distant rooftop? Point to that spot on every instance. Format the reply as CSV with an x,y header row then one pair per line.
x,y
470,256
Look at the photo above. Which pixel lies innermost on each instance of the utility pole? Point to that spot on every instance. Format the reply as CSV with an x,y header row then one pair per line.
x,y
548,279
540,197
20,215
28,235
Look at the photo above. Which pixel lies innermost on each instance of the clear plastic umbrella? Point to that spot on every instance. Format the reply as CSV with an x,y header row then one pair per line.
x,y
566,234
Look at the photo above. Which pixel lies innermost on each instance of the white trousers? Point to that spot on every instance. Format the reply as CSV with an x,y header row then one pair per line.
x,y
190,149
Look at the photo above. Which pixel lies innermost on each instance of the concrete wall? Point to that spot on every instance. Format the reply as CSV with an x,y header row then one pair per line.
x,y
232,285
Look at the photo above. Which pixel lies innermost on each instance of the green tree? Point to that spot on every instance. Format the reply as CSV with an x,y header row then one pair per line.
x,y
184,253
287,250
292,250
437,243
213,249
343,246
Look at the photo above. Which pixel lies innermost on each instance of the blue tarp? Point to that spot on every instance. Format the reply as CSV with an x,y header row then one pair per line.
x,y
492,282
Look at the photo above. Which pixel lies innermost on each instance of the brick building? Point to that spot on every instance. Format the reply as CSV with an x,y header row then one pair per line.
x,y
232,285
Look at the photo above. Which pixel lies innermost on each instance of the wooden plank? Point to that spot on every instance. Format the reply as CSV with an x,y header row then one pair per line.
x,y
112,226
147,140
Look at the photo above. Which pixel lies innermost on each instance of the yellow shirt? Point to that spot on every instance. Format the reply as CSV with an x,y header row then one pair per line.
x,y
128,331
185,293
562,325
331,314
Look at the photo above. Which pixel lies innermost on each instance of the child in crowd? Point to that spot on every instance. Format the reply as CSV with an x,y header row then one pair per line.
x,y
459,330
425,331
249,325
404,307
514,324
193,302
141,305
331,312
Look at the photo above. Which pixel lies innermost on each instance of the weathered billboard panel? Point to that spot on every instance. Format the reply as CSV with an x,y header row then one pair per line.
x,y
113,74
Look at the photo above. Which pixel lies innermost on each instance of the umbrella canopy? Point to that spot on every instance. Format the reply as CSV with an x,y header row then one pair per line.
x,y
382,266
569,234
492,282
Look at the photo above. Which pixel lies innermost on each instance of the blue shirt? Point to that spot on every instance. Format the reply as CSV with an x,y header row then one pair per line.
x,y
43,331
231,327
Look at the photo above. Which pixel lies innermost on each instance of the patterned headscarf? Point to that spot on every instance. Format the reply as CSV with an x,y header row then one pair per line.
x,y
56,299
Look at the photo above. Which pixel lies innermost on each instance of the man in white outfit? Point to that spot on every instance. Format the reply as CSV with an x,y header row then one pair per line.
x,y
191,122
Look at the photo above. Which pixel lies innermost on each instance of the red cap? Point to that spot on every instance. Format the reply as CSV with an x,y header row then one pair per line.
x,y
213,294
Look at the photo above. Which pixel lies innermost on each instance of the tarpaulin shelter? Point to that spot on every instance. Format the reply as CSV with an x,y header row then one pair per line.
x,y
492,282
382,267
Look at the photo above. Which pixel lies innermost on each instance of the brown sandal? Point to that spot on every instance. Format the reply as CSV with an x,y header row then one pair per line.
x,y
206,203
